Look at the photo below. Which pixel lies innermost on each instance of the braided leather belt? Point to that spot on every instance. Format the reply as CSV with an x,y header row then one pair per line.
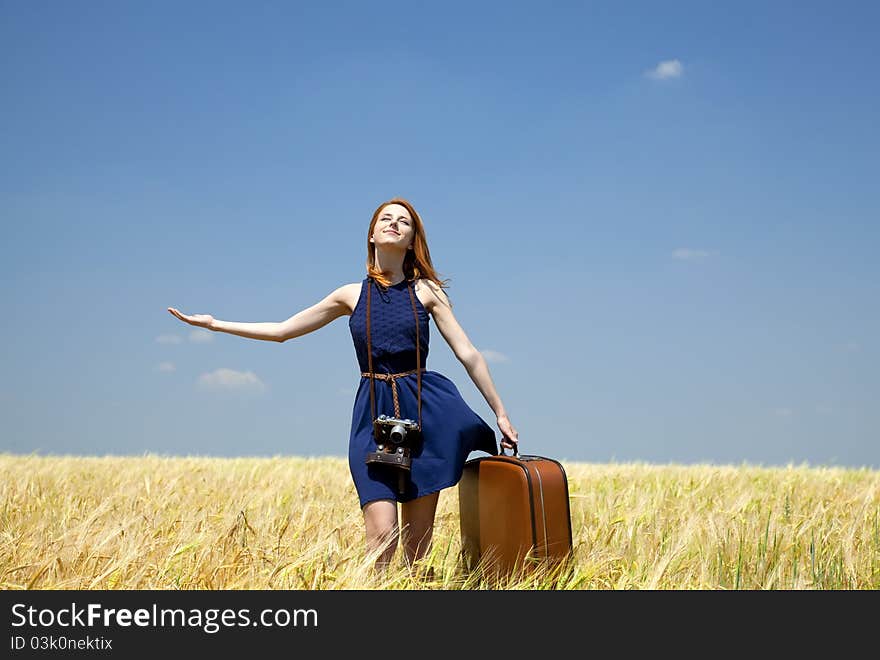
x,y
393,378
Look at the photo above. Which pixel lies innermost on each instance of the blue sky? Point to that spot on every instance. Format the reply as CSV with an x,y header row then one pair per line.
x,y
658,220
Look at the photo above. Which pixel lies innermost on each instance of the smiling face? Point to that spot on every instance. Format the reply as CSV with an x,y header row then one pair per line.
x,y
393,228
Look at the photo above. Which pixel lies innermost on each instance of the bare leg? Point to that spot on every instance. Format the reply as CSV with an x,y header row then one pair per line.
x,y
380,520
418,526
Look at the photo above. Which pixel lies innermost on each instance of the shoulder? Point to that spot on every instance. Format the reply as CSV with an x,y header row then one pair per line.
x,y
431,294
347,295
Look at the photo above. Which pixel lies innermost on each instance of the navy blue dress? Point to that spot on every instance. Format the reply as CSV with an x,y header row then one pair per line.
x,y
450,428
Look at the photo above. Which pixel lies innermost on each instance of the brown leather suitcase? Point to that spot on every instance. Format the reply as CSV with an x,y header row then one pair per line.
x,y
514,512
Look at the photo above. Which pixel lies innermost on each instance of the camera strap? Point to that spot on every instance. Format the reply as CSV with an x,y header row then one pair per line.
x,y
392,377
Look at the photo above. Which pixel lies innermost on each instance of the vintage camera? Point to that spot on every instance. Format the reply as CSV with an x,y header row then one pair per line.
x,y
395,440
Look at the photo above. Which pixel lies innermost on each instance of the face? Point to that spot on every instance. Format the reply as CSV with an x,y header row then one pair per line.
x,y
394,227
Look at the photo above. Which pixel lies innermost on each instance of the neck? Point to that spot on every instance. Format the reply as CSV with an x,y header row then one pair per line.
x,y
390,262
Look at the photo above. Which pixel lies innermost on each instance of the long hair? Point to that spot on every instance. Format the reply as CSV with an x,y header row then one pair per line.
x,y
417,262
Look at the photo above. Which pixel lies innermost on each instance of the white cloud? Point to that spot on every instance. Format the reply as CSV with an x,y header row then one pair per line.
x,y
166,366
230,379
494,356
690,254
168,339
665,70
201,336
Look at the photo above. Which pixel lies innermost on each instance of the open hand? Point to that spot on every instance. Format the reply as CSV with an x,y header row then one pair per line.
x,y
511,435
198,320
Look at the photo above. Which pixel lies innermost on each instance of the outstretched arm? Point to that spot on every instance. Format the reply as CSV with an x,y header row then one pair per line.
x,y
316,316
473,361
301,323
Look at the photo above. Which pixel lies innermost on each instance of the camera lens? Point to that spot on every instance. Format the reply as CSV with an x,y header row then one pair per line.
x,y
398,433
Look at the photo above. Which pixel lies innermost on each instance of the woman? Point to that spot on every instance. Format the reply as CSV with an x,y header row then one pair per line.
x,y
401,287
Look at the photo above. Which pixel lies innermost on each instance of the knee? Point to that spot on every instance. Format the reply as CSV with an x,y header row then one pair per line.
x,y
381,528
383,534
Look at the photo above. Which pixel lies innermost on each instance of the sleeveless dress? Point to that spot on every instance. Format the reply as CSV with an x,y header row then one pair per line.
x,y
450,428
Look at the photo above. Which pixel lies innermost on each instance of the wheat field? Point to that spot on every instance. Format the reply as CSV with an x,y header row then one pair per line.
x,y
156,522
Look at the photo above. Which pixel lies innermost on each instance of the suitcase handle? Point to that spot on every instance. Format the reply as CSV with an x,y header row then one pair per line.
x,y
514,451
524,457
